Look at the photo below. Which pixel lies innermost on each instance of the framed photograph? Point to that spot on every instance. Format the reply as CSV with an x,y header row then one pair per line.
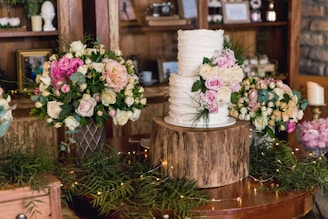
x,y
30,67
188,9
165,68
127,11
235,12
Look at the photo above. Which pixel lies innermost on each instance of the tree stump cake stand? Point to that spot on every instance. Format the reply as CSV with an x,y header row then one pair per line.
x,y
213,157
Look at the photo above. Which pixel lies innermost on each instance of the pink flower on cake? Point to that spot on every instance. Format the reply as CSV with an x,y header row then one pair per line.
x,y
226,59
219,76
213,82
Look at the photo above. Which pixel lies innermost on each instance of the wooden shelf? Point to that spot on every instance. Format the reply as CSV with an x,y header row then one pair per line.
x,y
146,28
5,34
250,25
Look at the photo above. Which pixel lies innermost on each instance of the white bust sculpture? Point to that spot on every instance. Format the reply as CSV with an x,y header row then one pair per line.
x,y
48,14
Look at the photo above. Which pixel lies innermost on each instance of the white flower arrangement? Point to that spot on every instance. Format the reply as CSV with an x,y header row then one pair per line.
x,y
268,104
88,82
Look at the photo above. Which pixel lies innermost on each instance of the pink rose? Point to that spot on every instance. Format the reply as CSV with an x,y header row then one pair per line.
x,y
210,97
226,59
291,126
213,108
213,82
1,91
116,74
65,88
86,107
235,85
112,113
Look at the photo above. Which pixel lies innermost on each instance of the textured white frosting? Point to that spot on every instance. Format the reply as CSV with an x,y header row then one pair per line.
x,y
193,46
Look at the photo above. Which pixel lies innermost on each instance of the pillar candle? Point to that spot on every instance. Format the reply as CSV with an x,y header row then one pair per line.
x,y
315,94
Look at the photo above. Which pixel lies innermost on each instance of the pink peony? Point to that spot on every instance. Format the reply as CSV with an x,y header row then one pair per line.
x,y
116,74
226,59
253,103
62,69
213,82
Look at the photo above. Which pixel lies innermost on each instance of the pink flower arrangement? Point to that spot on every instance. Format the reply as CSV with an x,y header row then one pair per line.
x,y
88,83
218,78
313,134
269,104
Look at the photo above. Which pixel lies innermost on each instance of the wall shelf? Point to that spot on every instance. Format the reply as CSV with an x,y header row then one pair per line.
x,y
5,34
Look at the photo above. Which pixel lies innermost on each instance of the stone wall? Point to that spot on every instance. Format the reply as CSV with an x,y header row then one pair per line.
x,y
314,38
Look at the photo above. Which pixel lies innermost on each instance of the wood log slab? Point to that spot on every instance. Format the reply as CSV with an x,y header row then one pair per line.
x,y
213,157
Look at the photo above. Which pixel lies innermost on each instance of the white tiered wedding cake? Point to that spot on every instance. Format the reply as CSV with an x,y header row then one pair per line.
x,y
200,91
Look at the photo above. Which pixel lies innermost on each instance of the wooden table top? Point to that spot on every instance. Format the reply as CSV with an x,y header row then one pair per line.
x,y
244,199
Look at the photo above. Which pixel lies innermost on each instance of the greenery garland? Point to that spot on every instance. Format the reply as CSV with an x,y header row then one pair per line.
x,y
126,185
275,162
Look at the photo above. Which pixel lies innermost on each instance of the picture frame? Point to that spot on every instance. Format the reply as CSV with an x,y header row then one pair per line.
x,y
127,12
29,67
188,9
236,12
165,68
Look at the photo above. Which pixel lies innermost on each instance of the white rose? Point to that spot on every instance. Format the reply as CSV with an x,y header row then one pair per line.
x,y
121,117
49,120
280,92
108,96
53,57
223,94
143,101
89,51
129,100
45,93
205,71
71,123
300,114
69,55
99,67
83,69
243,110
46,80
128,92
141,90
247,117
135,115
260,123
225,75
86,106
88,61
54,109
83,86
77,47
237,73
38,104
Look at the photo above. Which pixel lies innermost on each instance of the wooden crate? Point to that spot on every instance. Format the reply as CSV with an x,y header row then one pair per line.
x,y
48,202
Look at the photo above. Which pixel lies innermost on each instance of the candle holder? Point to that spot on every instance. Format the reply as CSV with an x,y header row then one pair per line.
x,y
316,110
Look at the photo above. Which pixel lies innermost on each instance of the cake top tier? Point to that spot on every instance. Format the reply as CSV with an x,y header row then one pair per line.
x,y
194,45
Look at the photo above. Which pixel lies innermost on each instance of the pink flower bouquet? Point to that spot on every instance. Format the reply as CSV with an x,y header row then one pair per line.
x,y
88,83
313,134
218,78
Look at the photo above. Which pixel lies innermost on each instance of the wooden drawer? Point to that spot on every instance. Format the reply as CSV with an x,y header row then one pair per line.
x,y
48,203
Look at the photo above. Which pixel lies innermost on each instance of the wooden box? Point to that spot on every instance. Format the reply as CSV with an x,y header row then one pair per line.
x,y
48,203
